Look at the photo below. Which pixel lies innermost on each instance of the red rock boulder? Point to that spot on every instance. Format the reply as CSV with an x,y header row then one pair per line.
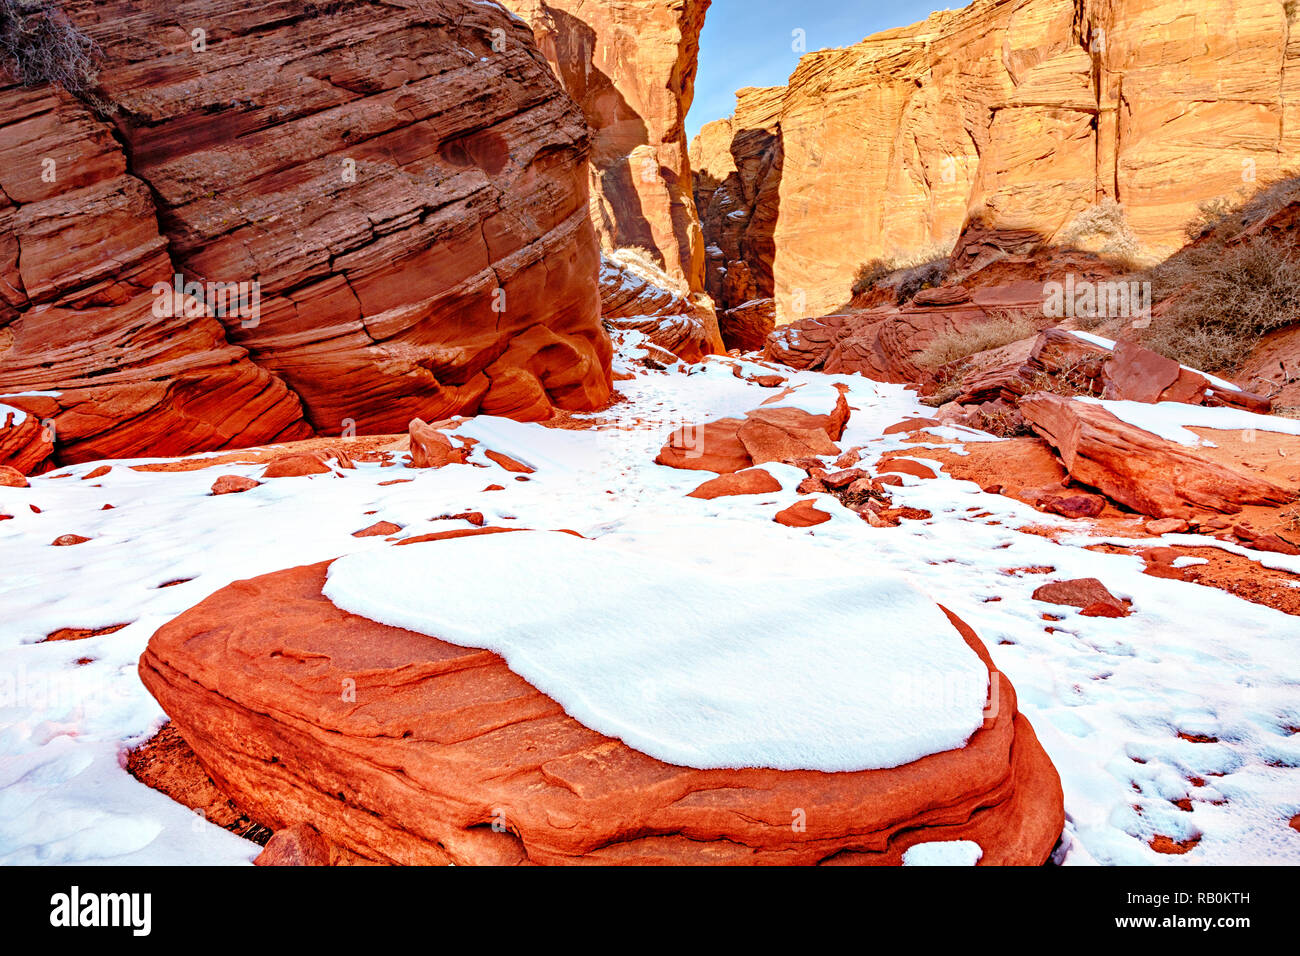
x,y
1143,471
401,748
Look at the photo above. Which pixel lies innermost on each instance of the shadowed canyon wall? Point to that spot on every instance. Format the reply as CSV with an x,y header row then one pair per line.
x,y
630,64
410,198
1102,123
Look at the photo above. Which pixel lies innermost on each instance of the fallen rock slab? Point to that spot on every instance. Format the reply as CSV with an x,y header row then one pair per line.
x,y
233,484
401,748
1081,505
1136,468
430,448
297,845
377,529
1085,593
802,514
752,481
774,431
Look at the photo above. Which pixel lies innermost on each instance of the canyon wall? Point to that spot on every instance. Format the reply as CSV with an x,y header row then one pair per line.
x,y
1098,123
630,64
408,192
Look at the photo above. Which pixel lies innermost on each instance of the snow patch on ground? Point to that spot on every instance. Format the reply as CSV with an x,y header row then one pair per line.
x,y
945,853
1109,698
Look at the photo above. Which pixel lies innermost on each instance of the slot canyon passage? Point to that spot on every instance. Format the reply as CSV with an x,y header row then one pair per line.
x,y
421,443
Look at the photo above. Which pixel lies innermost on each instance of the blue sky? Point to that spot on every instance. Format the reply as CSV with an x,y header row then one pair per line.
x,y
748,42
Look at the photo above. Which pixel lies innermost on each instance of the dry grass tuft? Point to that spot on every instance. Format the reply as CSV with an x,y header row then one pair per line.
x,y
952,346
906,273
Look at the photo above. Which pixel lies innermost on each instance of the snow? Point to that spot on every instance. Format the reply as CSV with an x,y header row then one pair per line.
x,y
945,853
1108,698
703,659
20,416
1170,420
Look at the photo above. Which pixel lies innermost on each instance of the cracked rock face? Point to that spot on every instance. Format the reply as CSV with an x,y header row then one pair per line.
x,y
1023,114
443,754
410,200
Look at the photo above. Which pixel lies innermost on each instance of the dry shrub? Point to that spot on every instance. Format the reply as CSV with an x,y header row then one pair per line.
x,y
953,345
1223,299
868,274
907,273
1005,422
40,45
1222,217
910,281
1081,378
1103,228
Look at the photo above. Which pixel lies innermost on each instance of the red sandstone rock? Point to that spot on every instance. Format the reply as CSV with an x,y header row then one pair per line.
x,y
66,540
473,517
233,484
430,448
1166,526
26,445
296,465
296,845
99,472
1140,375
802,514
431,251
508,463
1136,468
1104,609
12,478
1081,593
1261,541
1073,505
781,434
752,481
910,425
942,295
905,466
843,478
455,533
377,529
747,326
419,756
630,66
993,118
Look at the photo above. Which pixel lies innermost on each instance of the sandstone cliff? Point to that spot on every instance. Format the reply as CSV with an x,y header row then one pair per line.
x,y
1022,114
408,192
630,64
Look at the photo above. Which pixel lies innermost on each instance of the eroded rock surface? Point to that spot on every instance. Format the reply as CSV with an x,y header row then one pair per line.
x,y
411,201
